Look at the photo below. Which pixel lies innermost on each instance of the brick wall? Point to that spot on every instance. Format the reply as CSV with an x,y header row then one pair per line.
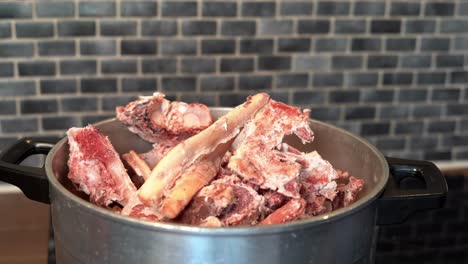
x,y
391,71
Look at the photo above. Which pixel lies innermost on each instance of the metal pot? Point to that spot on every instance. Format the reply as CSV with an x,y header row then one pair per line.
x,y
86,233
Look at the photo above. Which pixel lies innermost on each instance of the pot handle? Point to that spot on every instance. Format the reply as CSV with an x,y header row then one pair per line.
x,y
412,186
31,180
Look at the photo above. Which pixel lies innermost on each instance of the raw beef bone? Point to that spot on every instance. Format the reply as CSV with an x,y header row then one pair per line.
x,y
226,200
192,164
235,172
157,120
96,169
164,123
256,158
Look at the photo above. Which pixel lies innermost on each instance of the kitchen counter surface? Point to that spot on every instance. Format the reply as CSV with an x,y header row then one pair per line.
x,y
24,229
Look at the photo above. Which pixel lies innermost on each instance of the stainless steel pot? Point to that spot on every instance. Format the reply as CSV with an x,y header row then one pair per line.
x,y
86,233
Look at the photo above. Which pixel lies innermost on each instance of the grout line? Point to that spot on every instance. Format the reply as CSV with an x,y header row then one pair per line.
x,y
18,107
76,7
117,8
119,85
199,9
13,30
138,28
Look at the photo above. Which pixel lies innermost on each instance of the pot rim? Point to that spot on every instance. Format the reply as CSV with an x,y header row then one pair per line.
x,y
223,231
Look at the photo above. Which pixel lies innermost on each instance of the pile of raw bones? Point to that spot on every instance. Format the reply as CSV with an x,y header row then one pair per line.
x,y
233,171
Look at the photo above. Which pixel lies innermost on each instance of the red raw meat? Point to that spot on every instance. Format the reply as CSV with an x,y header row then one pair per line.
x,y
316,204
318,180
96,169
274,200
228,200
348,193
211,201
248,205
319,175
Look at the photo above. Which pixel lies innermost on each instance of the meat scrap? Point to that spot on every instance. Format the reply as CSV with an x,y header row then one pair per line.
x,y
347,193
317,178
318,175
274,200
209,203
316,204
96,169
256,158
248,206
228,200
157,120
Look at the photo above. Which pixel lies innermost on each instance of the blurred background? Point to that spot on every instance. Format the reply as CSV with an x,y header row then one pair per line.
x,y
394,72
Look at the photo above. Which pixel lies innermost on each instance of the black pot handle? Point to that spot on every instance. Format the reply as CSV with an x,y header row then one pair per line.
x,y
32,181
412,186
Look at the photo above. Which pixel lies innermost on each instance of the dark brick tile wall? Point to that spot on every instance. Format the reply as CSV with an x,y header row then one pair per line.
x,y
138,9
315,63
382,69
216,83
5,30
118,28
76,67
79,104
15,10
58,86
143,85
59,9
56,48
179,9
96,9
160,65
34,29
